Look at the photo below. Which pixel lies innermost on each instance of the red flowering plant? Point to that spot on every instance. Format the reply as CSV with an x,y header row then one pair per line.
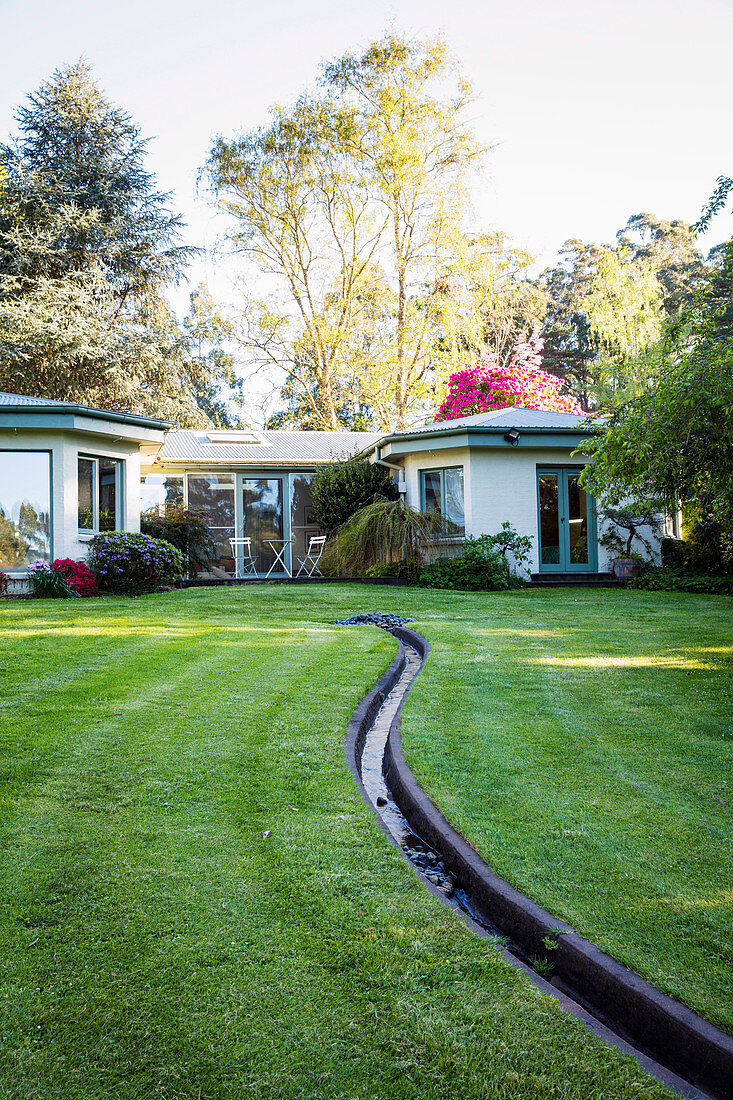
x,y
488,385
77,575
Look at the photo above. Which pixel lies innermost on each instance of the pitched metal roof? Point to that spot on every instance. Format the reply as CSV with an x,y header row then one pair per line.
x,y
14,399
16,402
512,417
273,449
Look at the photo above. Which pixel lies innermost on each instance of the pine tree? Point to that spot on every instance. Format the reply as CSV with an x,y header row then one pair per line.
x,y
88,247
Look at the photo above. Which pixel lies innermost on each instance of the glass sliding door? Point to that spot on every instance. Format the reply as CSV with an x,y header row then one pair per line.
x,y
157,491
302,525
566,522
262,517
211,496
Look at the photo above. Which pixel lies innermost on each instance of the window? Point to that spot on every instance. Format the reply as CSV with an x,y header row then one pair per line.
x,y
159,490
25,508
99,495
442,491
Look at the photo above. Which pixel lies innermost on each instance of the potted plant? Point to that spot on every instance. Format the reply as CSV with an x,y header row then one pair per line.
x,y
623,527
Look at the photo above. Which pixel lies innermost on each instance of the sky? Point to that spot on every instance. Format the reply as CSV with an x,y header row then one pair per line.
x,y
594,110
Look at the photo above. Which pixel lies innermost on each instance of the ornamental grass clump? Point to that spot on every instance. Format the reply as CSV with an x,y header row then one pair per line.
x,y
385,531
133,564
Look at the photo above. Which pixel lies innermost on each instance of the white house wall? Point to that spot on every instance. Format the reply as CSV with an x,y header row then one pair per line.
x,y
500,484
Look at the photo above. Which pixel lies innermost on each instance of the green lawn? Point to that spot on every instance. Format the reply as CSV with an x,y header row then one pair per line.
x,y
583,742
197,904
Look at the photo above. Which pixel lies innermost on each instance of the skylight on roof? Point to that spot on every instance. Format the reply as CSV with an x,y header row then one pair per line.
x,y
232,437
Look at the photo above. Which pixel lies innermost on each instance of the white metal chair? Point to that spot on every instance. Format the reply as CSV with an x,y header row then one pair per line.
x,y
309,564
242,551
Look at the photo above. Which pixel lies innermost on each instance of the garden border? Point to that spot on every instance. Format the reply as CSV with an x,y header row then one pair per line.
x,y
627,1003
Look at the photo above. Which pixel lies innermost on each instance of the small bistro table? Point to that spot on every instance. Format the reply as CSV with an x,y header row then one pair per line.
x,y
279,555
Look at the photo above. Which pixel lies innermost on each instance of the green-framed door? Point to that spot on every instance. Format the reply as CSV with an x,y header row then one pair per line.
x,y
566,522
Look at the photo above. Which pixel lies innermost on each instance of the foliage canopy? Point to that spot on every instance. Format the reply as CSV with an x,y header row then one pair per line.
x,y
87,249
675,439
340,489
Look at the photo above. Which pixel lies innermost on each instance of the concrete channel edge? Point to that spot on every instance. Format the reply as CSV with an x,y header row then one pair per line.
x,y
628,1004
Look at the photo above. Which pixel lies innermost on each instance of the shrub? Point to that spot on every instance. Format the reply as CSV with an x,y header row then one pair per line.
x,y
4,583
483,564
506,542
664,580
185,530
47,582
383,532
707,547
624,527
490,385
341,489
133,564
77,575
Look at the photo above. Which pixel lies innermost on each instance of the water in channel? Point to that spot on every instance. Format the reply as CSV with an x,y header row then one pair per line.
x,y
426,861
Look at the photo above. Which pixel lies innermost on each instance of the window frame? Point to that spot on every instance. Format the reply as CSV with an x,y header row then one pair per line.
x,y
96,459
442,470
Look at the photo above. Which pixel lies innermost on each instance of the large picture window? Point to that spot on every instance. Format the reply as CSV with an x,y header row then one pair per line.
x,y
25,508
442,491
99,493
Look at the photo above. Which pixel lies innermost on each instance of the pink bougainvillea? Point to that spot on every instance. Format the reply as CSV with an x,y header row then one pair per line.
x,y
488,385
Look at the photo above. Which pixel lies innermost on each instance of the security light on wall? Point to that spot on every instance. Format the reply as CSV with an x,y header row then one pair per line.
x,y
512,436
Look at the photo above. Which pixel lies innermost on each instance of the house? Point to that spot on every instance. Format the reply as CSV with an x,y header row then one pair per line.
x,y
67,472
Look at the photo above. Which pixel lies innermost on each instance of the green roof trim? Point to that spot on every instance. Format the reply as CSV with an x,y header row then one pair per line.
x,y
65,409
475,436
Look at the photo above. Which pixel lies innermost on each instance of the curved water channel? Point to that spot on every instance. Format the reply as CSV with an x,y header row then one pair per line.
x,y
443,883
424,859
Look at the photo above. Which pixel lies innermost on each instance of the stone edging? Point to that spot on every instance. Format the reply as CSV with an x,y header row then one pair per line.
x,y
627,1003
